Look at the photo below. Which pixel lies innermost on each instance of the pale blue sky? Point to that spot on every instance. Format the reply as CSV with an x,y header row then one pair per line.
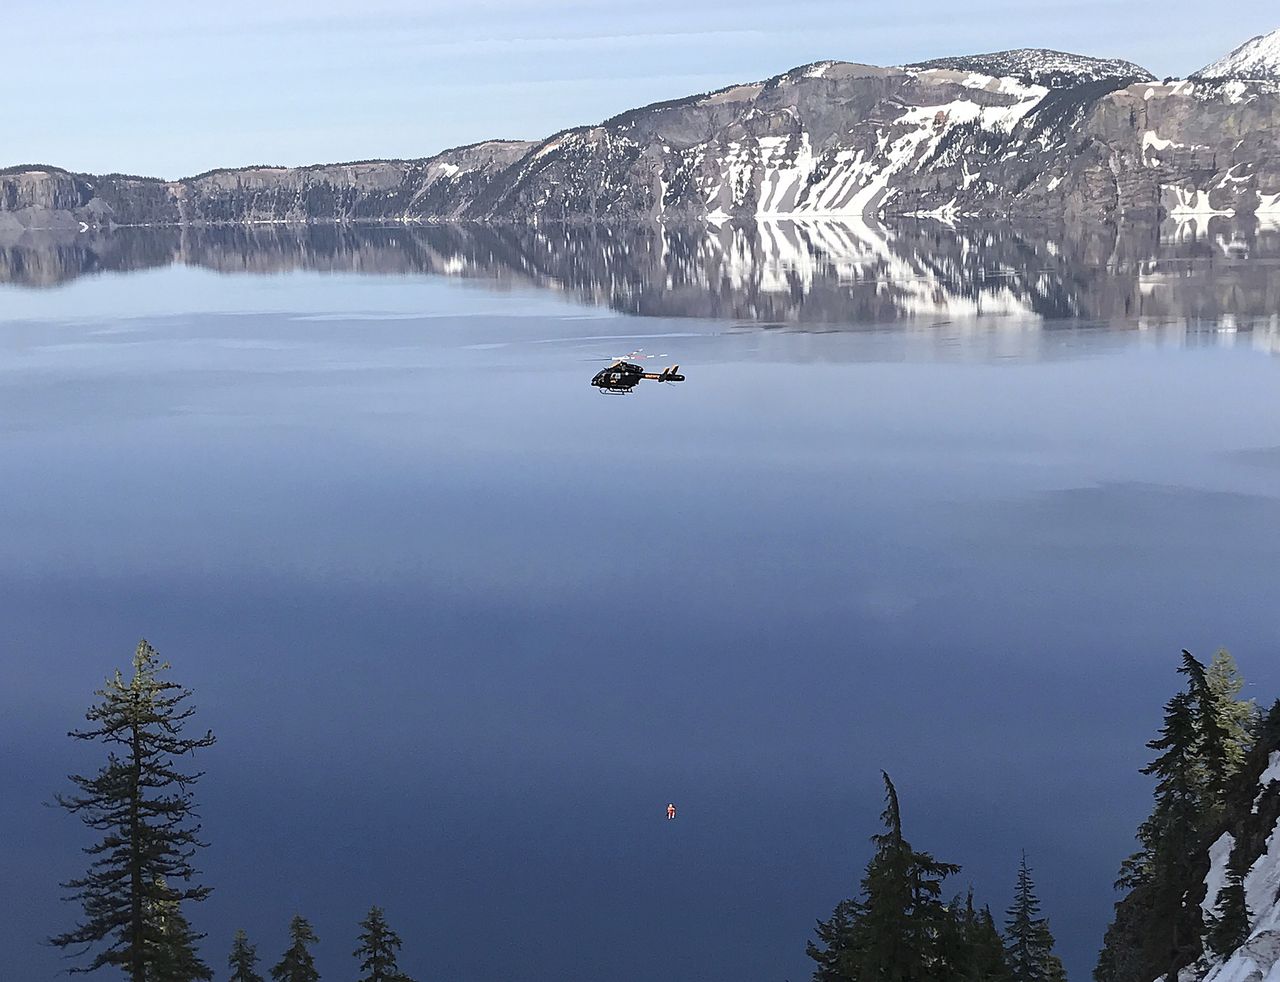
x,y
143,86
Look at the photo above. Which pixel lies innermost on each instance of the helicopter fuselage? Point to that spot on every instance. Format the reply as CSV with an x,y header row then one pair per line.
x,y
623,376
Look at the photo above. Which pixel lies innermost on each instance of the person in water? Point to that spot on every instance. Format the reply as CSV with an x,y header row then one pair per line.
x,y
671,812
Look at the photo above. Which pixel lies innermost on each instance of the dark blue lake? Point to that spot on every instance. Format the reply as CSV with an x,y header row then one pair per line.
x,y
464,626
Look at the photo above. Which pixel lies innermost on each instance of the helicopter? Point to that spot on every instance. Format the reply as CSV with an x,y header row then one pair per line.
x,y
623,374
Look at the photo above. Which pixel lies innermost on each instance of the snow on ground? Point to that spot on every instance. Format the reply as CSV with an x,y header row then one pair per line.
x,y
1262,887
1257,58
1258,959
794,181
1038,63
1216,878
817,69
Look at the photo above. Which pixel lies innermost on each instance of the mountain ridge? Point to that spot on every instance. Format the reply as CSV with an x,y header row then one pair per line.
x,y
1257,58
1026,133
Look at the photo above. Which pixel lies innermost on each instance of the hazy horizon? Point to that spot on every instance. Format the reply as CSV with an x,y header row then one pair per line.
x,y
140,88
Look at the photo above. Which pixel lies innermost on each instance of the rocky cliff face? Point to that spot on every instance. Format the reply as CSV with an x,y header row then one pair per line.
x,y
435,189
1033,134
945,141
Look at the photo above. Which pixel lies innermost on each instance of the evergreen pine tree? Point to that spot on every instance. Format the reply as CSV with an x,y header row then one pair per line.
x,y
892,933
298,964
175,958
143,806
243,960
835,935
377,951
1172,932
971,947
1211,747
1240,716
990,964
1229,924
1029,942
1122,958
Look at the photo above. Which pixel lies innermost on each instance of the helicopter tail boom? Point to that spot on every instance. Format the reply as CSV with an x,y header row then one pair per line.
x,y
671,374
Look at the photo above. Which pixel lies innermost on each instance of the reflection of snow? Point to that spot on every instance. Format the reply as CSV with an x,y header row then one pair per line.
x,y
794,254
1192,201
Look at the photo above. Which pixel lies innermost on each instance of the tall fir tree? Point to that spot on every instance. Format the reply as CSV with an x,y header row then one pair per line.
x,y
378,950
893,931
989,962
1211,747
1173,929
1028,940
298,964
143,806
972,949
243,960
1241,717
1229,923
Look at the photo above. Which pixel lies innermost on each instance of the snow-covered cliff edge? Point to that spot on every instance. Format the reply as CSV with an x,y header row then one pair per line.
x,y
1258,959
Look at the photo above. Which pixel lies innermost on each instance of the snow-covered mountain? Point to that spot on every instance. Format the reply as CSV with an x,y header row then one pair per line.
x,y
1042,66
1031,134
1257,58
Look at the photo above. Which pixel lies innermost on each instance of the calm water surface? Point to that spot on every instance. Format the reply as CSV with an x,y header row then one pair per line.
x,y
463,626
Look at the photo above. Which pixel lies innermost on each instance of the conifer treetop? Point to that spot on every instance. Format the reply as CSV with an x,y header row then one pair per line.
x,y
142,805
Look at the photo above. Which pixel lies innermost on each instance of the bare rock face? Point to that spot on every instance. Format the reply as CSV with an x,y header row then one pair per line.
x,y
1028,134
437,188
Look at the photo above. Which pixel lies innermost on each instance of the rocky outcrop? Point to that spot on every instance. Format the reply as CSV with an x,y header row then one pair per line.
x,y
437,188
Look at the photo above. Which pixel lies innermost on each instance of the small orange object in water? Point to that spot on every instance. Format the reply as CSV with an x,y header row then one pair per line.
x,y
671,812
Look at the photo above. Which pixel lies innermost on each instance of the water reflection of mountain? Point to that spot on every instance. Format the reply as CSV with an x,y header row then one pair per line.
x,y
810,271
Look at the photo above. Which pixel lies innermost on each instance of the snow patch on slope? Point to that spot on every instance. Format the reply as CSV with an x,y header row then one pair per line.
x,y
1272,773
1216,878
785,177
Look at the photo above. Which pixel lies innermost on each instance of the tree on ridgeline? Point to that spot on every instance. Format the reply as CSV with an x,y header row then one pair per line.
x,y
898,928
298,964
1211,746
379,946
1240,717
1028,940
243,960
143,807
